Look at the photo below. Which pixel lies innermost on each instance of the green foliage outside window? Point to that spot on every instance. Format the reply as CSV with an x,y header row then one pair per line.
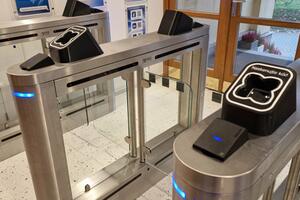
x,y
287,10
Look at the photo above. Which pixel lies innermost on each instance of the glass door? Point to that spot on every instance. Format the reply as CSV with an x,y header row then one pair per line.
x,y
215,13
265,31
272,26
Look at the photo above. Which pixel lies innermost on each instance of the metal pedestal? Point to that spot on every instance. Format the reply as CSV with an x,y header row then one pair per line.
x,y
248,173
40,122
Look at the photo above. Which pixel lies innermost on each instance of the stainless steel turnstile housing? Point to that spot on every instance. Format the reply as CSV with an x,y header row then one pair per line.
x,y
20,31
248,173
40,120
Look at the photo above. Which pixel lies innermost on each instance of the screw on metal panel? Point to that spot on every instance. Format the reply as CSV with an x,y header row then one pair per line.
x,y
87,188
147,150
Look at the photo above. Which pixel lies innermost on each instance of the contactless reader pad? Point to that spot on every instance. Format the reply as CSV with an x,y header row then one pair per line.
x,y
36,62
221,139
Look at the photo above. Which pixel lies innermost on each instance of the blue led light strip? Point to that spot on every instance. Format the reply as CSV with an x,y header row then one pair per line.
x,y
178,190
217,138
24,95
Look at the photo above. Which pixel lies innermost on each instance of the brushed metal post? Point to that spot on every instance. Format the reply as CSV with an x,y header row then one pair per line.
x,y
103,35
193,73
131,114
269,193
44,46
184,97
43,141
198,80
141,114
293,181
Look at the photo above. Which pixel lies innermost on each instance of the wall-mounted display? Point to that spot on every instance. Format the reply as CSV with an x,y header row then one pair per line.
x,y
94,3
137,20
32,7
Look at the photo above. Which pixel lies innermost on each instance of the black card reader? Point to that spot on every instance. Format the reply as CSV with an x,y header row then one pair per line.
x,y
221,139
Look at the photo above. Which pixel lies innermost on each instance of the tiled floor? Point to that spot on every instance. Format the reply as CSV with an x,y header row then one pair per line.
x,y
163,189
90,148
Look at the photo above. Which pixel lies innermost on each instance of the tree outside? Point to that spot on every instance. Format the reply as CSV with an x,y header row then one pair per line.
x,y
287,10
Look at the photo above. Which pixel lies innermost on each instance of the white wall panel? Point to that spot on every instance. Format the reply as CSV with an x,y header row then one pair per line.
x,y
155,14
6,11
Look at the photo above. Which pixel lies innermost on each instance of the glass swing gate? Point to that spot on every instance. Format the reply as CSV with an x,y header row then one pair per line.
x,y
122,154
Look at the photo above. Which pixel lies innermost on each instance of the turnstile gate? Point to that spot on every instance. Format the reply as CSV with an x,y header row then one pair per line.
x,y
249,173
43,28
36,93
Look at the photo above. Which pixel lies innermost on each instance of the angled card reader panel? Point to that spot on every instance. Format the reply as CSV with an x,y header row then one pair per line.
x,y
262,98
36,62
76,43
176,22
221,139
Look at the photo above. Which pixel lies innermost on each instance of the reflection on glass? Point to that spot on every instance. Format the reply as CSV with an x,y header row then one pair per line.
x,y
199,5
12,55
162,101
95,129
213,31
266,44
284,10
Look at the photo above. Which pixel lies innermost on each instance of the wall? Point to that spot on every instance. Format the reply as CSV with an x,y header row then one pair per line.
x,y
118,26
6,11
248,9
266,11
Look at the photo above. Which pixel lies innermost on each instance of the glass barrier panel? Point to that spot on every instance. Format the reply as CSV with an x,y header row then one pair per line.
x,y
213,32
212,6
162,101
95,124
268,44
282,10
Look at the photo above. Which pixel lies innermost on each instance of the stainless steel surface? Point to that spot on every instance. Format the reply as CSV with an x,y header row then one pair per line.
x,y
128,178
141,115
129,49
293,181
269,193
11,142
199,61
248,173
24,30
12,32
131,102
43,141
185,98
120,58
44,46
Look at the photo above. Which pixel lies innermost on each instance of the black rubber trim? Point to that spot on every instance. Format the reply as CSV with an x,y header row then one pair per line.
x,y
176,50
83,108
118,190
164,158
11,137
18,37
96,76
